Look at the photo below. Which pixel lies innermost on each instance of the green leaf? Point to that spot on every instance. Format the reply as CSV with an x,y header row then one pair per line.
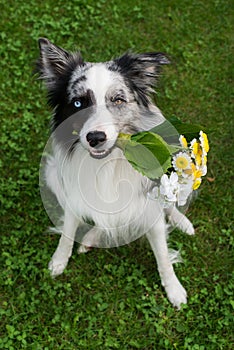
x,y
167,131
147,152
172,128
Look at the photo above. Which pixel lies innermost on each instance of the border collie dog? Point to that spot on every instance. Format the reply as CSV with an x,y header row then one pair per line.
x,y
90,177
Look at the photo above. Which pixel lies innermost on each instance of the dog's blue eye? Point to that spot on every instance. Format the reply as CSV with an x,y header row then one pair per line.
x,y
77,104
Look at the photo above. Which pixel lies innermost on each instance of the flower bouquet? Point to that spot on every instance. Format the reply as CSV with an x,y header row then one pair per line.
x,y
173,154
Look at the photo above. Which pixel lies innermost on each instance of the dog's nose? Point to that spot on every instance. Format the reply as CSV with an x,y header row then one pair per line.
x,y
95,137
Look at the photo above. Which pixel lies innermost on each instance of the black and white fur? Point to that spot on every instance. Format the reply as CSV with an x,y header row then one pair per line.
x,y
86,170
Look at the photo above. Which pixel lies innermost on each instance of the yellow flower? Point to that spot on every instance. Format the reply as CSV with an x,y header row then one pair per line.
x,y
198,159
195,146
196,183
204,142
197,174
181,161
192,164
183,141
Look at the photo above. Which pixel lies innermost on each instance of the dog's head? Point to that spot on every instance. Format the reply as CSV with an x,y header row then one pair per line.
x,y
93,102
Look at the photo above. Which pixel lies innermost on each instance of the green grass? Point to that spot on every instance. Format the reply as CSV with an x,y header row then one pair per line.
x,y
112,299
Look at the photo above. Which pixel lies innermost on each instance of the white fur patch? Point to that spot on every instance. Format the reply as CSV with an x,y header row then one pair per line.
x,y
99,80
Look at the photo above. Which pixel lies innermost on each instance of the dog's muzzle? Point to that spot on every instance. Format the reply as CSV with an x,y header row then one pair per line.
x,y
96,139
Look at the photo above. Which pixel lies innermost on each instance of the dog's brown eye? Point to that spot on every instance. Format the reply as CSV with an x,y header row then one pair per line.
x,y
118,102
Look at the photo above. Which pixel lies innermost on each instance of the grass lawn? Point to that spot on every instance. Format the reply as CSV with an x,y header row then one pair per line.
x,y
112,298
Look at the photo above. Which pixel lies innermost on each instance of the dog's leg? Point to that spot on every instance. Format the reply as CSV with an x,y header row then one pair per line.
x,y
64,250
157,238
177,219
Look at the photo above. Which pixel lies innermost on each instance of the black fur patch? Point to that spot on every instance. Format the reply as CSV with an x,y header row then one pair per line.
x,y
140,72
78,80
55,66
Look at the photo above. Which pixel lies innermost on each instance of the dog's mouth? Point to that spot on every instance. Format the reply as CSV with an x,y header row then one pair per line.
x,y
99,154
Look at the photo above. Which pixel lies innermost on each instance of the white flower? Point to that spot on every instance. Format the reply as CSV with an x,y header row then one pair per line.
x,y
203,170
181,161
169,187
185,189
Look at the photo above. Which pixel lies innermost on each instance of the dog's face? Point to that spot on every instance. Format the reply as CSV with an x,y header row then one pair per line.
x,y
93,102
107,105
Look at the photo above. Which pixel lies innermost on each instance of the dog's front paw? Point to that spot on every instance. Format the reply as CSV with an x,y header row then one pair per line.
x,y
176,293
185,225
188,228
56,266
179,220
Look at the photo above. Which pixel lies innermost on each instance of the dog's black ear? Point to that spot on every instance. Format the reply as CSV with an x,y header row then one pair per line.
x,y
141,72
55,62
